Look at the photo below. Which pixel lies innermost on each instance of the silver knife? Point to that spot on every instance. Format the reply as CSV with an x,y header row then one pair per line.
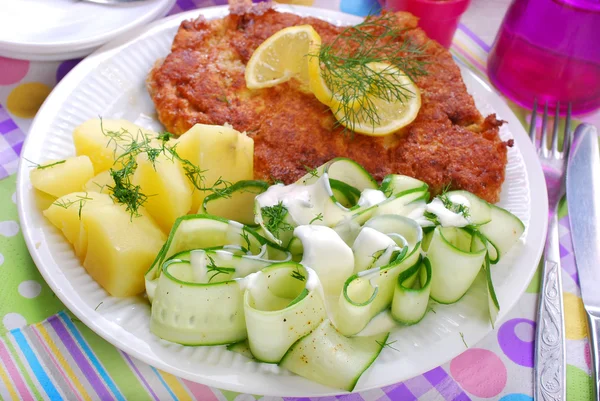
x,y
583,200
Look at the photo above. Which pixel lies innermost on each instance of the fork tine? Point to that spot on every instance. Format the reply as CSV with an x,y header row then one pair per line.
x,y
555,130
532,125
544,143
568,137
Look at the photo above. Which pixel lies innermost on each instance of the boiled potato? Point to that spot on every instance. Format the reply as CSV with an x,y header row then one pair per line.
x,y
222,151
100,183
61,177
115,248
103,143
66,213
168,189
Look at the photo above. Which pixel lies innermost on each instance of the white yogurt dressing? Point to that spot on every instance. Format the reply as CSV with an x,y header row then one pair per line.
x,y
368,242
303,202
371,197
448,218
327,254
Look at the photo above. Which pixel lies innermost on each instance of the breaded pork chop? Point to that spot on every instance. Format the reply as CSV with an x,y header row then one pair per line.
x,y
202,81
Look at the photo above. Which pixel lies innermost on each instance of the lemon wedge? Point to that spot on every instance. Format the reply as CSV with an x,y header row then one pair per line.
x,y
381,111
281,57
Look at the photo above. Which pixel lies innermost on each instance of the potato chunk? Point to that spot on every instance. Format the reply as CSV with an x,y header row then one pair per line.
x,y
100,183
102,143
168,189
221,151
61,177
115,248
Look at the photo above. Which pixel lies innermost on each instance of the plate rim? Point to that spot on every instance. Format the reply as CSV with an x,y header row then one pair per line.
x,y
532,167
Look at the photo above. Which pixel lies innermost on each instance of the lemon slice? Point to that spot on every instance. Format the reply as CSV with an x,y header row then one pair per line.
x,y
281,57
381,112
319,87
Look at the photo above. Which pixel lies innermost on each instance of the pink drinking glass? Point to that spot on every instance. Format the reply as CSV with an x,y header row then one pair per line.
x,y
549,50
438,18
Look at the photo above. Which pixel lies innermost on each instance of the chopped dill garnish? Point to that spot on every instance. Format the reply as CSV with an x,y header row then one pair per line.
x,y
297,275
346,71
97,306
216,270
462,336
312,171
246,238
433,310
128,146
67,204
165,136
457,208
274,219
275,181
318,217
44,166
388,345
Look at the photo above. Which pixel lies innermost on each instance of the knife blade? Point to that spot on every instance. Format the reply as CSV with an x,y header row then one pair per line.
x,y
583,202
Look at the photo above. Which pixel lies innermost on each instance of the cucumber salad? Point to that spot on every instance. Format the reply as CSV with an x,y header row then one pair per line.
x,y
298,285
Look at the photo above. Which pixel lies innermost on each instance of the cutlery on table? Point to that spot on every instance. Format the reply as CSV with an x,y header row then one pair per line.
x,y
583,202
550,369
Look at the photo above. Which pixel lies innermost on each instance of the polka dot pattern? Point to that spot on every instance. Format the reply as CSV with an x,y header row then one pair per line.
x,y
65,67
26,99
29,289
518,347
480,372
579,384
13,321
516,397
575,320
9,228
12,70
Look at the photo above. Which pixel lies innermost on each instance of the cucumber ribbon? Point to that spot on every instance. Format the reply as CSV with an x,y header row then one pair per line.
x,y
276,296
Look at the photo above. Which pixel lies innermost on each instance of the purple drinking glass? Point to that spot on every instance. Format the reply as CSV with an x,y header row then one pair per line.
x,y
549,50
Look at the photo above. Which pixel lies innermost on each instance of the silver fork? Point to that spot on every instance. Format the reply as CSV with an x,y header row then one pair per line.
x,y
550,357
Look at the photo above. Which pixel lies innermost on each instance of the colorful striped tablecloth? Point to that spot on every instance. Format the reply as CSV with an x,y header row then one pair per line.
x,y
46,353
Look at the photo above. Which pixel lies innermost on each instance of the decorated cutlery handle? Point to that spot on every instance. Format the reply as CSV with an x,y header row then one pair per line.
x,y
550,358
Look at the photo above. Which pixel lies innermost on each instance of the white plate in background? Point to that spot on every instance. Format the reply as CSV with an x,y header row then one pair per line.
x,y
66,29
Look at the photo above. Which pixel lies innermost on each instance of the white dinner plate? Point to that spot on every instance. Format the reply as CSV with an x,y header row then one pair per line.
x,y
66,29
110,83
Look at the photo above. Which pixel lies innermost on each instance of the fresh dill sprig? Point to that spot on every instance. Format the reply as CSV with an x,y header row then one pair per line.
x,y
274,219
312,171
347,71
462,336
196,175
318,217
297,275
216,270
128,146
275,181
457,208
44,166
388,344
246,238
67,204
